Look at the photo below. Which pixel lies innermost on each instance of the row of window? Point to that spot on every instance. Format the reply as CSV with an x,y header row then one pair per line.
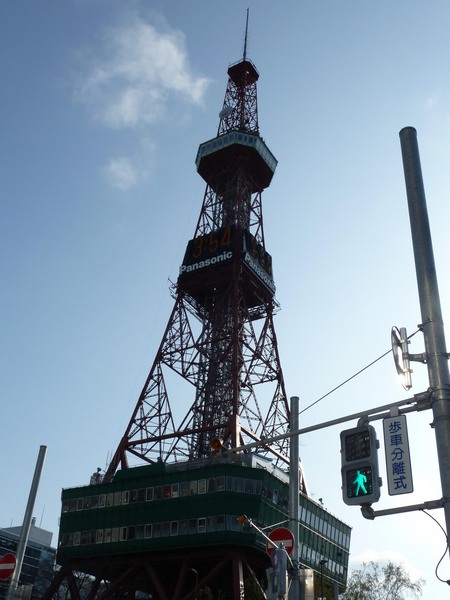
x,y
11,545
319,520
177,490
312,558
323,524
241,138
152,530
308,555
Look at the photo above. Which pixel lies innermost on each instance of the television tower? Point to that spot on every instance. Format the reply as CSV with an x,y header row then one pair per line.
x,y
220,337
173,525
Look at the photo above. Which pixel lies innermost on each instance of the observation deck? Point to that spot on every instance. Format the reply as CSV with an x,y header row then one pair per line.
x,y
236,148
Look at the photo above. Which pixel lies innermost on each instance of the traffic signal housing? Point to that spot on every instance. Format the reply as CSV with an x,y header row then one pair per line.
x,y
360,476
279,572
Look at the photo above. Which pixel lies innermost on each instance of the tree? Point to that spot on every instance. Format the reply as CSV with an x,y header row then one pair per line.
x,y
375,582
252,589
205,593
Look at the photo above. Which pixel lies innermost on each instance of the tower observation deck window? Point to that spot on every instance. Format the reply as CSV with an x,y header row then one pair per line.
x,y
236,143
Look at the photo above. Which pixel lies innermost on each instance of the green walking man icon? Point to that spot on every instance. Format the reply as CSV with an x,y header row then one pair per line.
x,y
360,481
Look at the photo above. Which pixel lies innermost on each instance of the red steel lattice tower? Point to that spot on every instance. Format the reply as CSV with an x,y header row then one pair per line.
x,y
220,337
174,525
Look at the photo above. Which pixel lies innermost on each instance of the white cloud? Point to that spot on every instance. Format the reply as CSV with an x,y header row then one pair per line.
x,y
135,72
121,173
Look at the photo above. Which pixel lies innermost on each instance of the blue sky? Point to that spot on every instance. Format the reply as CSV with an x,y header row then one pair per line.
x,y
103,106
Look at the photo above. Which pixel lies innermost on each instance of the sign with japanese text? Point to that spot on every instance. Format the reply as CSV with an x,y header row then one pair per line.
x,y
398,461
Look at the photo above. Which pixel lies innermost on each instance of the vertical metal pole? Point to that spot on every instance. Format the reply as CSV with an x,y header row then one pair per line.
x,y
294,590
26,524
430,306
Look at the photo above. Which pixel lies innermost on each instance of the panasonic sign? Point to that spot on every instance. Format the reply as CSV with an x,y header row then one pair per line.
x,y
259,272
207,262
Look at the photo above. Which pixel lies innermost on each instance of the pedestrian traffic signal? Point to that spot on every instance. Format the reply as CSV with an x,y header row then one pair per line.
x,y
359,454
279,572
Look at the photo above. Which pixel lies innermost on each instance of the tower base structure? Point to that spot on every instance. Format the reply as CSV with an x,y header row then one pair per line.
x,y
167,531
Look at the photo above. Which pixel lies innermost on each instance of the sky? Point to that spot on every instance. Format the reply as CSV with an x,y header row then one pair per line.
x,y
103,106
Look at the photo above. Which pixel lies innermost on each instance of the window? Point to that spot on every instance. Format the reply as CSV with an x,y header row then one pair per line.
x,y
316,523
175,490
115,534
148,530
101,501
166,529
117,498
303,550
249,486
157,530
167,492
79,503
174,528
220,483
192,525
123,533
238,484
141,495
84,538
201,486
149,494
192,488
202,525
212,484
125,497
76,538
302,513
133,496
183,527
110,499
211,524
99,536
158,492
184,488
107,536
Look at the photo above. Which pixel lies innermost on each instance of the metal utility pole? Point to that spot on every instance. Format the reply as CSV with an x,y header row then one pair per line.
x,y
430,306
26,524
294,591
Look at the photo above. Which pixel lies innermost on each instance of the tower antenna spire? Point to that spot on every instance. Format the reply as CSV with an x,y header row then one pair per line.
x,y
246,34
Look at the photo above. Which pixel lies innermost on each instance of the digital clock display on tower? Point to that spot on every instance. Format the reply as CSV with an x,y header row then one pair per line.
x,y
208,250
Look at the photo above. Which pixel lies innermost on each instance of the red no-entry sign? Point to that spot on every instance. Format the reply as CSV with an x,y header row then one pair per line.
x,y
281,535
7,566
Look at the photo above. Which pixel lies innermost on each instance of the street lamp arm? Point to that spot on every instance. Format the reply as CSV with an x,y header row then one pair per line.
x,y
244,520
